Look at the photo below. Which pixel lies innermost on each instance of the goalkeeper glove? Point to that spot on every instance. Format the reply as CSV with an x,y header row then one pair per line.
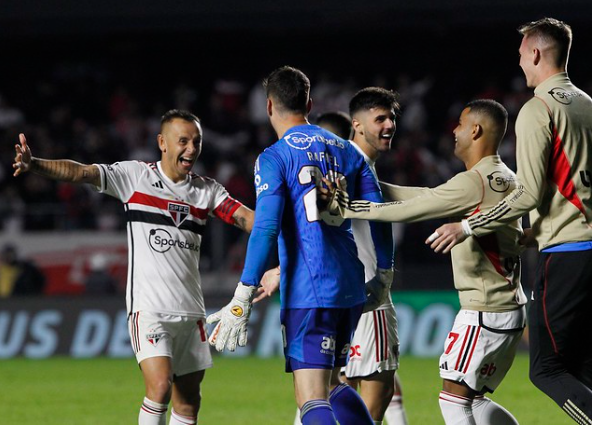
x,y
233,319
378,289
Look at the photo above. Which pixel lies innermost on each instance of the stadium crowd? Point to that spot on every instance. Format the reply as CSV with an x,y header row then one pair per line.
x,y
95,113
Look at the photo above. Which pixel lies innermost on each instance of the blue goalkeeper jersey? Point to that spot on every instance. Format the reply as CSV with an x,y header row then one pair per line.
x,y
318,257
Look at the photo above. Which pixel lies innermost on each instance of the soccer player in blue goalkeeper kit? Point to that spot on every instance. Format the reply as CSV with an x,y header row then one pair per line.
x,y
322,287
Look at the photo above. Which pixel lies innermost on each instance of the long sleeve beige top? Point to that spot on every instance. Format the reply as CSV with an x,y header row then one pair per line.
x,y
486,269
554,157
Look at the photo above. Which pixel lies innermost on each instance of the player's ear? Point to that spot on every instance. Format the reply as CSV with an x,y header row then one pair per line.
x,y
309,106
536,57
357,126
161,143
477,131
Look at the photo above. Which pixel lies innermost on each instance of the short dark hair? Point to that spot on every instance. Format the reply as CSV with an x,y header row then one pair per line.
x,y
337,120
289,88
374,97
552,31
177,113
492,109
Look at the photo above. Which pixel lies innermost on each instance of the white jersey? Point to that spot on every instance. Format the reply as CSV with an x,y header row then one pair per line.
x,y
374,347
363,238
165,223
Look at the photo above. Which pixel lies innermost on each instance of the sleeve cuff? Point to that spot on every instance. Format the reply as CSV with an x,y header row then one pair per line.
x,y
466,228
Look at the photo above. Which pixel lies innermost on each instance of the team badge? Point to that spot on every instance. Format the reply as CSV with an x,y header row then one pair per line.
x,y
153,338
178,212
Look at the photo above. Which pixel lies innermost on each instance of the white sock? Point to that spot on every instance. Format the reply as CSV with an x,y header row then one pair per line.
x,y
395,413
152,413
488,412
177,419
456,409
297,418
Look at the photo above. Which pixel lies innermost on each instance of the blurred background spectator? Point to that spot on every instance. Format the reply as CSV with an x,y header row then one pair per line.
x,y
18,276
94,89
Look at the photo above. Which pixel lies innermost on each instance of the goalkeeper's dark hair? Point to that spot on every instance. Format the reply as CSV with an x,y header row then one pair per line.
x,y
171,114
289,88
495,111
338,122
374,97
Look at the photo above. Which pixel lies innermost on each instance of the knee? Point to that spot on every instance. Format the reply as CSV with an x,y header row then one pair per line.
x,y
189,403
159,390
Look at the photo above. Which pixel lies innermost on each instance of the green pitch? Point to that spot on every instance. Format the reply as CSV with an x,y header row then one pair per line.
x,y
246,391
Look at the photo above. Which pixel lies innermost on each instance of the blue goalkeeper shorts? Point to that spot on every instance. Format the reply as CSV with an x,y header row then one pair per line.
x,y
318,338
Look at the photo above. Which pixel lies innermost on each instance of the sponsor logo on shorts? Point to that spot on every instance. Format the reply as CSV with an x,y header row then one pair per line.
x,y
328,345
499,182
161,241
153,338
562,96
488,369
444,366
345,351
354,351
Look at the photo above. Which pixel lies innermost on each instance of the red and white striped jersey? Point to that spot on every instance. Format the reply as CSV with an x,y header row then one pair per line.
x,y
165,224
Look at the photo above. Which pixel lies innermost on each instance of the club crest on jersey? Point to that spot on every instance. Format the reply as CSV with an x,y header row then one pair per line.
x,y
178,212
153,338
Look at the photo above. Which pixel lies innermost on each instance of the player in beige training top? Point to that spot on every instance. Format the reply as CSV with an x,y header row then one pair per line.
x,y
481,346
554,156
167,207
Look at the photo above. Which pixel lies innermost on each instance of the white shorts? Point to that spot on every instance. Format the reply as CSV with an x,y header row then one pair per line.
x,y
182,338
481,347
375,345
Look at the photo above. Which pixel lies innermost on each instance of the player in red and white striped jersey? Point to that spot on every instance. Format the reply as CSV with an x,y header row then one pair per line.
x,y
166,208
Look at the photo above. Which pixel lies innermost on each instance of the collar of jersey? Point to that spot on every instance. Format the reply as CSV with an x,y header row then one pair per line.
x,y
167,178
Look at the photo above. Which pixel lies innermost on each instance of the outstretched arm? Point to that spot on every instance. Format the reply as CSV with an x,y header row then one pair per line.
x,y
458,196
393,192
62,169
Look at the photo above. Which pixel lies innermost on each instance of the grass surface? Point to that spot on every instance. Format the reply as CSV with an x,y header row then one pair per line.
x,y
244,391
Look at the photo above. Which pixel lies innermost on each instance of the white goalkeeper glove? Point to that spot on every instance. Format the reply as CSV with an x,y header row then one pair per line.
x,y
233,319
378,289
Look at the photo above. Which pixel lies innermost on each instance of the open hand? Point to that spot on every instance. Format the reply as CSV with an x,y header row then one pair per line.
x,y
22,158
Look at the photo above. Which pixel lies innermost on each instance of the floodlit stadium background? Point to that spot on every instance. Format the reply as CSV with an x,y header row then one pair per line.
x,y
89,81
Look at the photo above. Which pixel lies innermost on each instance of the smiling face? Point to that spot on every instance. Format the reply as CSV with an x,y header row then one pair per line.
x,y
374,130
180,145
527,60
463,134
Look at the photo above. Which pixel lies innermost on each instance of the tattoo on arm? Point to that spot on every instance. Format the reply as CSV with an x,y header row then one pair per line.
x,y
243,218
66,170
241,223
